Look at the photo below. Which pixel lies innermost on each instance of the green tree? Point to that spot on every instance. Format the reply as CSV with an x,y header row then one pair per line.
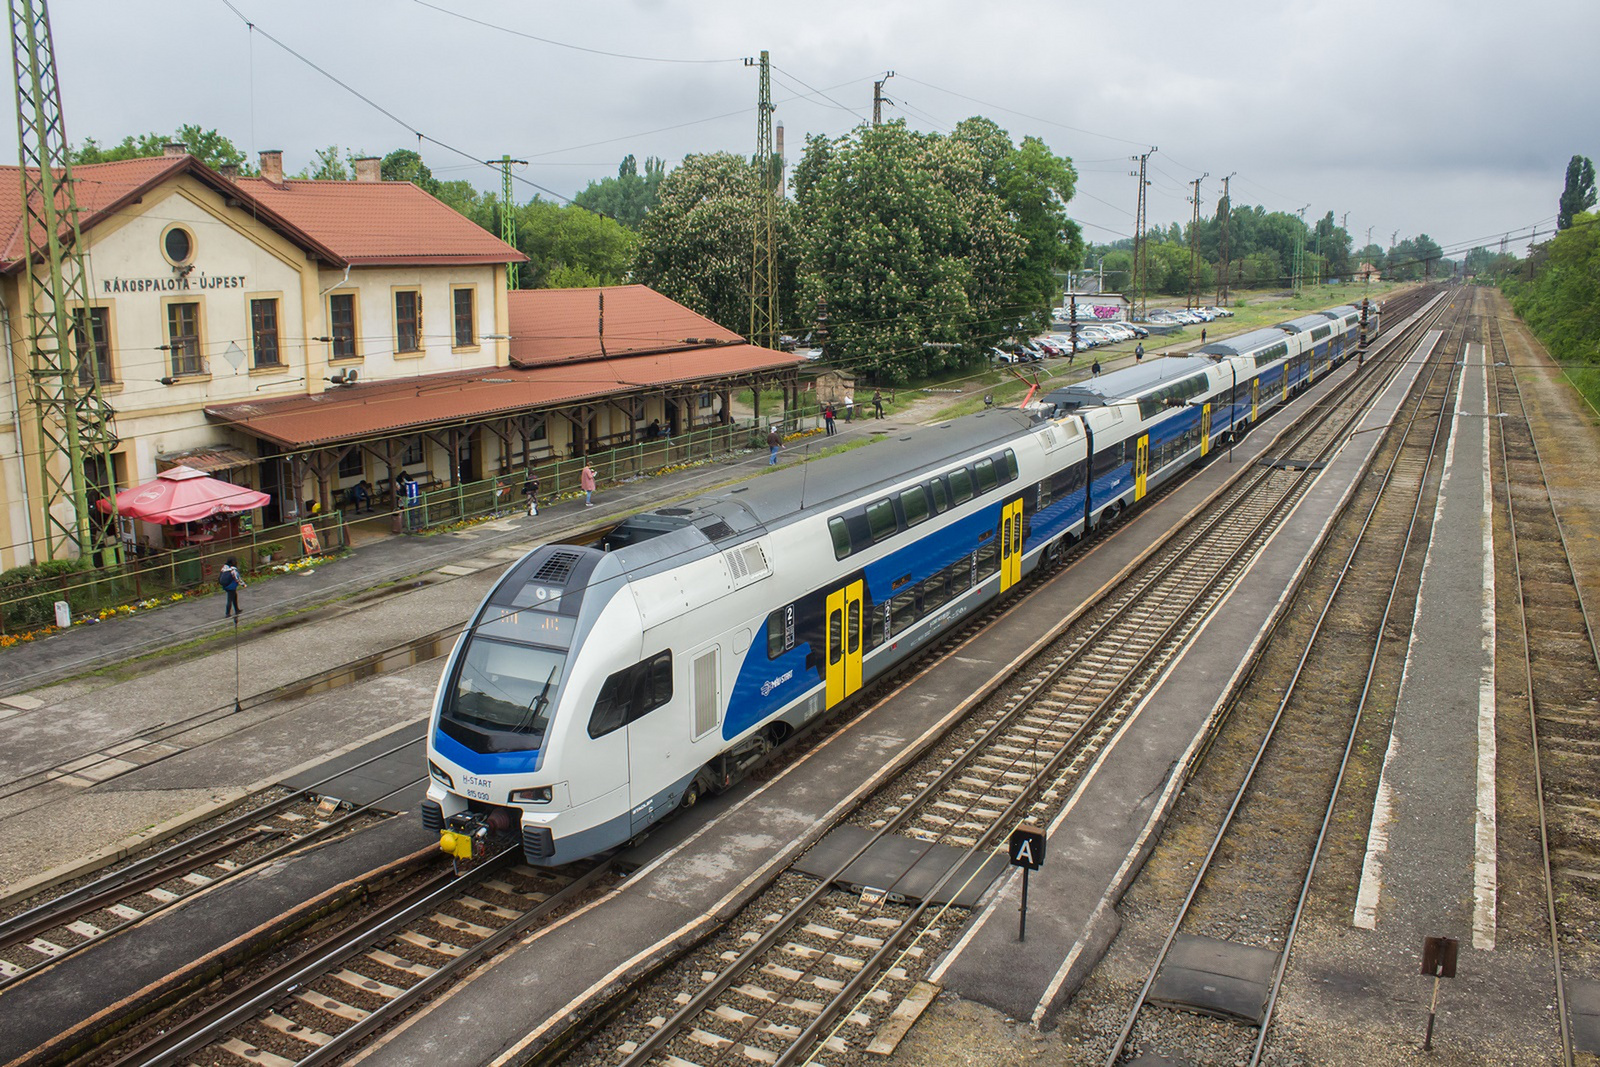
x,y
1578,195
208,146
404,165
629,196
569,247
332,164
696,245
910,246
1562,300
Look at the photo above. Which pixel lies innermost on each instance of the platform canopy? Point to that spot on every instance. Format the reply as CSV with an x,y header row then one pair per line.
x,y
184,494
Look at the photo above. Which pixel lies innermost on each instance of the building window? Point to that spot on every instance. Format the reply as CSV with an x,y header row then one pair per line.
x,y
183,338
342,322
96,338
177,244
413,453
408,321
465,306
264,332
352,464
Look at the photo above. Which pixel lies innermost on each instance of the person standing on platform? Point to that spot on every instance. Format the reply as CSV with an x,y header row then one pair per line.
x,y
1138,352
586,481
231,582
877,402
849,407
827,418
1095,370
774,442
1202,335
530,489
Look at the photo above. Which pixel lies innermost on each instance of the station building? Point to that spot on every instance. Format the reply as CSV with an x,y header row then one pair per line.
x,y
301,336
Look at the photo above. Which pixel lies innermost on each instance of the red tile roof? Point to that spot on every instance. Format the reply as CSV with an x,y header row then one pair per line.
x,y
380,223
563,325
357,223
391,406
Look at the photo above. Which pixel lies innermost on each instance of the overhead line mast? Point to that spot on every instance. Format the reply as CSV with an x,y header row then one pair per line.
x,y
764,251
508,214
76,436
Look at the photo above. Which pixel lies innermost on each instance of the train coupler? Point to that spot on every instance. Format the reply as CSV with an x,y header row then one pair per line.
x,y
465,837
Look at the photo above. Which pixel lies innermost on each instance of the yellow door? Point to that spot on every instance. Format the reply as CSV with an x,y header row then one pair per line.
x,y
1010,545
1255,395
1205,431
1141,467
844,642
1311,367
1286,365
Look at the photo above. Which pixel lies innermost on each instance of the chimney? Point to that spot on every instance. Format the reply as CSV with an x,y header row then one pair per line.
x,y
272,166
174,148
230,171
368,169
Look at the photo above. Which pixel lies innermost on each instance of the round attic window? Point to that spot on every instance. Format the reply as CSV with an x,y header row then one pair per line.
x,y
178,246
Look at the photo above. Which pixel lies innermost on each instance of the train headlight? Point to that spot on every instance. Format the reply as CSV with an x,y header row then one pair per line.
x,y
439,775
539,795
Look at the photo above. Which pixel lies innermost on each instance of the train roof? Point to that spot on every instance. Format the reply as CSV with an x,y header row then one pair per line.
x,y
788,491
1243,343
1122,384
1341,311
1304,324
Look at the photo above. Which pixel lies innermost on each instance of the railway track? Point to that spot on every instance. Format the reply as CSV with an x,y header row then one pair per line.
x,y
1248,894
319,1007
78,919
813,977
1556,679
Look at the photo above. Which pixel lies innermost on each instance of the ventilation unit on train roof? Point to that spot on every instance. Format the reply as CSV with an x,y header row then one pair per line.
x,y
558,568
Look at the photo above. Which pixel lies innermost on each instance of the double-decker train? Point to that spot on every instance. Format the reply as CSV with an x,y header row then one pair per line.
x,y
597,689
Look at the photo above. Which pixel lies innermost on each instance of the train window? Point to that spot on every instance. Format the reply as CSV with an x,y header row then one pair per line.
x,y
853,614
914,503
960,486
903,610
988,560
1319,332
881,520
940,500
841,537
1042,498
935,592
960,574
780,631
835,636
1011,465
632,693
983,471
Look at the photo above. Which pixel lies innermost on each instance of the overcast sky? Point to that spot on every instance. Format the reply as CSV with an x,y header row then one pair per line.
x,y
1454,119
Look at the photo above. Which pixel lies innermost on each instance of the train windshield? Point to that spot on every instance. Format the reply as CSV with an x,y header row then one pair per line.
x,y
505,688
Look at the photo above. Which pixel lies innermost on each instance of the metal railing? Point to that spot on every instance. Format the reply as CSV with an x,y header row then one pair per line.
x,y
30,605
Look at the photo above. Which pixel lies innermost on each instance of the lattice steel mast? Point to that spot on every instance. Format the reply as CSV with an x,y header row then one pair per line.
x,y
764,253
508,214
73,419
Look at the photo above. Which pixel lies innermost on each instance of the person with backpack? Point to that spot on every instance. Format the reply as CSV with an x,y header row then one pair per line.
x,y
530,489
231,583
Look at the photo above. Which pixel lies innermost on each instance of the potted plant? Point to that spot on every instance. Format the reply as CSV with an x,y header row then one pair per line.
x,y
267,553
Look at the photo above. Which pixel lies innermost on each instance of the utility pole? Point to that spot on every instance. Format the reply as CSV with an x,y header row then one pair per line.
x,y
1299,248
1224,210
1140,278
76,437
878,98
1194,241
764,251
508,214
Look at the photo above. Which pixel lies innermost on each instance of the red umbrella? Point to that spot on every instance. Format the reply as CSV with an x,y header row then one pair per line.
x,y
184,494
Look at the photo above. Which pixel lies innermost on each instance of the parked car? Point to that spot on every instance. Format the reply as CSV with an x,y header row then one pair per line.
x,y
1049,347
1000,355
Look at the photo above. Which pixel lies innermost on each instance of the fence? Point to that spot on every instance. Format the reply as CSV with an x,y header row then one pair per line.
x,y
30,604
440,507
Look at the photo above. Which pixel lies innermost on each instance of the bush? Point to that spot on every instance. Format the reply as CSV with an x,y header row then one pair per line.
x,y
28,594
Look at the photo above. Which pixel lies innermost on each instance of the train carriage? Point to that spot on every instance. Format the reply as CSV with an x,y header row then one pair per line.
x,y
597,688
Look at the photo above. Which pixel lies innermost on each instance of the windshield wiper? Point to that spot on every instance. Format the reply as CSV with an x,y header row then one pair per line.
x,y
537,704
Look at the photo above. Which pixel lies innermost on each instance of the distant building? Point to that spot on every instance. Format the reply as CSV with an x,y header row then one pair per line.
x,y
1366,272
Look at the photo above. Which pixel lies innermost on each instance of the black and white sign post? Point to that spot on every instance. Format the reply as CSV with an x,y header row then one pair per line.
x,y
1026,849
1439,960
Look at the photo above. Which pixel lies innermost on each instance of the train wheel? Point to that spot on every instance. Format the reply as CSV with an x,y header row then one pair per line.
x,y
691,796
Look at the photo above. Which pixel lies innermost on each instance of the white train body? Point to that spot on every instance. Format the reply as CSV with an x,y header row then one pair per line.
x,y
599,688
